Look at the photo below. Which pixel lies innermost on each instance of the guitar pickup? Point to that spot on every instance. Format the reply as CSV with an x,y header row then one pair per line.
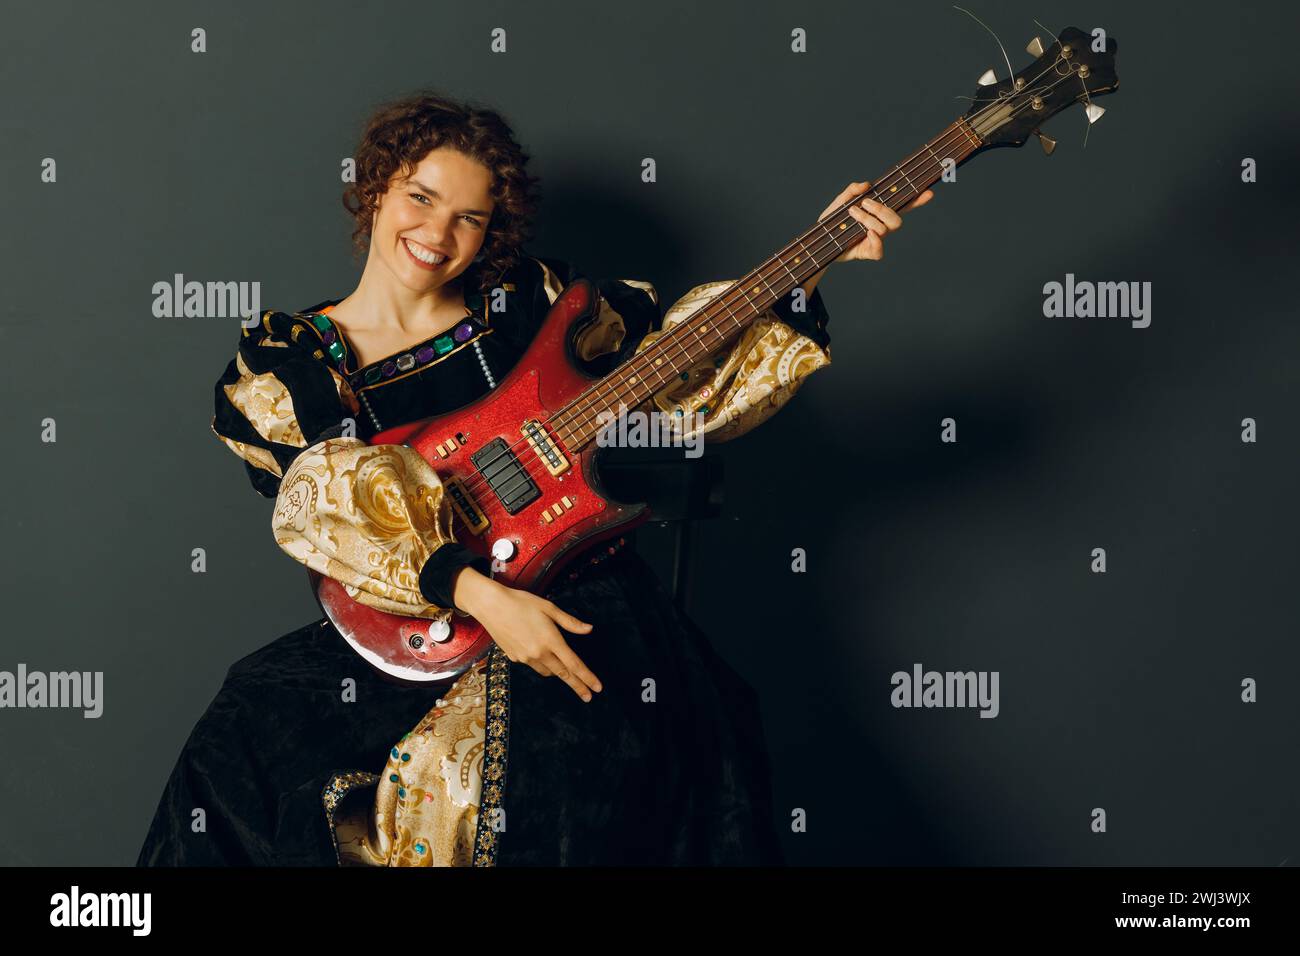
x,y
506,475
547,450
464,505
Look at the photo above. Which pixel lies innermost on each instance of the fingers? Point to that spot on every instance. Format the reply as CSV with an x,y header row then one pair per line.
x,y
560,659
565,619
573,664
871,246
849,191
575,673
919,201
891,219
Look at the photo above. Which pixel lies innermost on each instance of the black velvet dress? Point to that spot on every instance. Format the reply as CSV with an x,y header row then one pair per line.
x,y
617,781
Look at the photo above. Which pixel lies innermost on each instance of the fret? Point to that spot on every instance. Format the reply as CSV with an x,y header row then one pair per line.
x,y
915,192
786,267
700,334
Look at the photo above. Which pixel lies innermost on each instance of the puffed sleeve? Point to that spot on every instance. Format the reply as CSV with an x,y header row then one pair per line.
x,y
737,387
373,517
748,380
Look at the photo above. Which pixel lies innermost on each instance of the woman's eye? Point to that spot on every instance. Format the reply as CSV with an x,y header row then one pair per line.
x,y
472,221
420,196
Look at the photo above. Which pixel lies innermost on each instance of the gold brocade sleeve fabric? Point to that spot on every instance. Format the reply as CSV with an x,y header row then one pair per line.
x,y
368,516
745,382
736,388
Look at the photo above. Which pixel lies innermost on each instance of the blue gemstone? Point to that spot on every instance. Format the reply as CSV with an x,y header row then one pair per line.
x,y
392,777
405,757
394,751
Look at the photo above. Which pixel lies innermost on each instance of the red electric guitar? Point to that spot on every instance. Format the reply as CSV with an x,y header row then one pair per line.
x,y
519,464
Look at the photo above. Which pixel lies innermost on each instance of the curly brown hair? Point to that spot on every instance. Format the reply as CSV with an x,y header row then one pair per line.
x,y
401,133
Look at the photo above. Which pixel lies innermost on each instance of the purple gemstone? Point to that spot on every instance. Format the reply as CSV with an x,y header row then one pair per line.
x,y
424,354
329,337
463,332
388,368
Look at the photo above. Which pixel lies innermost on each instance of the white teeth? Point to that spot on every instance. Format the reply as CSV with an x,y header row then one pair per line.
x,y
432,258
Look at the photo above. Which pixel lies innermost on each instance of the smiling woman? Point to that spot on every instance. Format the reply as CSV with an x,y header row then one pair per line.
x,y
307,756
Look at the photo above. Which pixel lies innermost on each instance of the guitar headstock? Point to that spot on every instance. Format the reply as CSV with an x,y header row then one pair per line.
x,y
1070,71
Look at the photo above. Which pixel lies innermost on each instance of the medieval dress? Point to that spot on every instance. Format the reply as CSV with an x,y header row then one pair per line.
x,y
498,766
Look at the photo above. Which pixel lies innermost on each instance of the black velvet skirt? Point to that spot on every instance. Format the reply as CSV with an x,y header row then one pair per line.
x,y
682,779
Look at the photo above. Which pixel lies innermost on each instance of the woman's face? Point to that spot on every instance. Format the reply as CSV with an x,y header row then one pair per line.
x,y
430,225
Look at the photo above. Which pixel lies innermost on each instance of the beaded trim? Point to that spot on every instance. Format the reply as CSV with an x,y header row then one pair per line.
x,y
339,786
424,354
487,841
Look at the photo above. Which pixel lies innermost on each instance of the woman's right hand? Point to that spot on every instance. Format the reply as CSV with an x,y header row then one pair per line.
x,y
524,627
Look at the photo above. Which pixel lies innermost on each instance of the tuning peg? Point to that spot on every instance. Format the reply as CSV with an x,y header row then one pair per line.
x,y
988,78
1046,142
1094,112
1035,47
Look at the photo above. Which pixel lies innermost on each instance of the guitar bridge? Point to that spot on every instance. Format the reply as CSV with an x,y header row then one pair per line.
x,y
464,505
547,450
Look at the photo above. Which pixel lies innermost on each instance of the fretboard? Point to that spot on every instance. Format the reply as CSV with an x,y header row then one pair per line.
x,y
706,331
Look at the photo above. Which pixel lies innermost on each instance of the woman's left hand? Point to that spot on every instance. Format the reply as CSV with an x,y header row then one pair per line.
x,y
878,219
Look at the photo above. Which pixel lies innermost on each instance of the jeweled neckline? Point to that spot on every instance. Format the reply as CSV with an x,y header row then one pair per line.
x,y
415,356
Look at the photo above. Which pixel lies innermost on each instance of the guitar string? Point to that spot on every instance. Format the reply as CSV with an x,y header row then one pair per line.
x,y
563,418
568,416
913,164
475,483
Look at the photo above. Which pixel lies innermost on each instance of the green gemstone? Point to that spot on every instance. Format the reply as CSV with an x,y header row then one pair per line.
x,y
372,375
336,351
320,321
444,344
704,409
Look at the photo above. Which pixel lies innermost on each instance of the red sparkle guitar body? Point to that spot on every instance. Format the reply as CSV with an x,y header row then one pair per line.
x,y
546,378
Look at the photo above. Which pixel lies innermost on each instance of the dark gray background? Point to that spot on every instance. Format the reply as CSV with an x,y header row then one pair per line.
x,y
1118,691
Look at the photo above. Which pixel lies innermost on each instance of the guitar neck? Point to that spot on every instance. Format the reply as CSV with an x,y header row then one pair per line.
x,y
704,332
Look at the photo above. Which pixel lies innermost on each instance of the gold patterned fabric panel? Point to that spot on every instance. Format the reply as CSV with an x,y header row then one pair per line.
x,y
425,810
368,516
267,403
743,383
740,386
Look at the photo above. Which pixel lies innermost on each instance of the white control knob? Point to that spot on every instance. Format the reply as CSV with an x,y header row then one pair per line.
x,y
503,549
439,631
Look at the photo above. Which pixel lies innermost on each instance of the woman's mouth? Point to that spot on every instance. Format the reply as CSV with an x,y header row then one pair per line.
x,y
422,257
